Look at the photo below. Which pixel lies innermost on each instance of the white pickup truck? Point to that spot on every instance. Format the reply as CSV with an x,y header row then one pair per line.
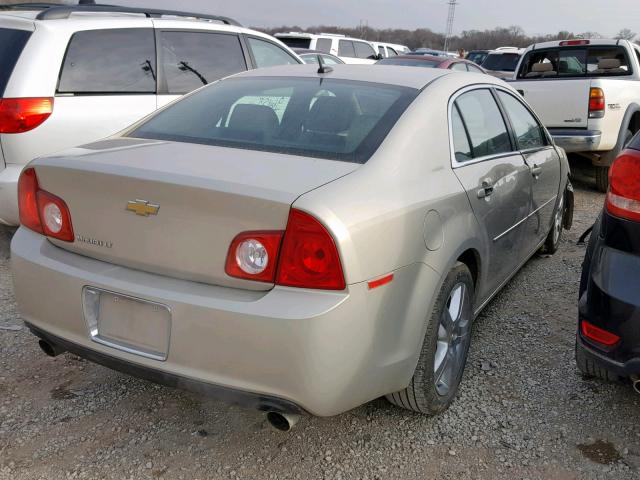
x,y
587,94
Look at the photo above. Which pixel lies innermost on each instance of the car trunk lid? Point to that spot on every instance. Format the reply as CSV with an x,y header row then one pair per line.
x,y
204,197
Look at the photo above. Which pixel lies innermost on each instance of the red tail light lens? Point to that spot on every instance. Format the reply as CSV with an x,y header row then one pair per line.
x,y
309,257
27,200
623,198
41,211
254,256
19,115
596,103
598,335
574,43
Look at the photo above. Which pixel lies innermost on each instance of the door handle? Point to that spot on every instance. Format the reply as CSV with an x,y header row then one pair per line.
x,y
486,190
536,171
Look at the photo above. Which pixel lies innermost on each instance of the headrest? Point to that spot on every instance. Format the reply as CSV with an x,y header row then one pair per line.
x,y
609,63
542,67
258,118
329,115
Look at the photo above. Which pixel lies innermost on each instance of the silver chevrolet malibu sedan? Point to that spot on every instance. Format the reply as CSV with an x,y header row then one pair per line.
x,y
292,239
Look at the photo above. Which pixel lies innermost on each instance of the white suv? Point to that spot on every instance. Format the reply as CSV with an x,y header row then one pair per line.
x,y
350,50
71,75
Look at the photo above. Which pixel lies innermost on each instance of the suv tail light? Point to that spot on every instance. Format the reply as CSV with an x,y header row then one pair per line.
x,y
41,211
19,115
304,256
596,103
623,197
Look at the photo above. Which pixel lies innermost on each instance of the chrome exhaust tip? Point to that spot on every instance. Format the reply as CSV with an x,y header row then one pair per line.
x,y
283,422
50,349
635,381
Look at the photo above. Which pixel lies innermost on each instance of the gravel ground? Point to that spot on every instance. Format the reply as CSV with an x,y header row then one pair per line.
x,y
523,411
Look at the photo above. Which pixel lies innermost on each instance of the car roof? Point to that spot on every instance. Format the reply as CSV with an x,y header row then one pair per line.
x,y
423,58
400,76
306,51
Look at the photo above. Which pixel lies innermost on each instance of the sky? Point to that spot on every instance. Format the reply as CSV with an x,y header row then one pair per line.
x,y
606,17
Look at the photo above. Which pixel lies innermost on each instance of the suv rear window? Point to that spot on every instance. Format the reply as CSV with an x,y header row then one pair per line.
x,y
322,118
594,61
501,62
12,43
110,61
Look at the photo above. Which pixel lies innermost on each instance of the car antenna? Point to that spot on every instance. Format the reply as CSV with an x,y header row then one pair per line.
x,y
323,68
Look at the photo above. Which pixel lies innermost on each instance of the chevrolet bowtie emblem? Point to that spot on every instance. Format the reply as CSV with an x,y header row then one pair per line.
x,y
142,208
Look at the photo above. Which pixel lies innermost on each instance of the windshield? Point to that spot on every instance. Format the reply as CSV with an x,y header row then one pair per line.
x,y
316,117
11,44
408,62
505,62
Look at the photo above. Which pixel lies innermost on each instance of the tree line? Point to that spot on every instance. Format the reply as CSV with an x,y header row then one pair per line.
x,y
513,36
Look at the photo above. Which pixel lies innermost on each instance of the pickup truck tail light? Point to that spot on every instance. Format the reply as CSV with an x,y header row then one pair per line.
x,y
623,197
42,211
303,256
19,115
596,103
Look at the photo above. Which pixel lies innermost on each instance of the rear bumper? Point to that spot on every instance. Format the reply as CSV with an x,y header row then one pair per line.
x,y
609,297
326,352
577,140
9,194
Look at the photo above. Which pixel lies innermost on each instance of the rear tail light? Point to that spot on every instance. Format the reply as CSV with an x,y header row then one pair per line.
x,y
19,115
304,256
596,103
598,335
623,197
254,256
41,211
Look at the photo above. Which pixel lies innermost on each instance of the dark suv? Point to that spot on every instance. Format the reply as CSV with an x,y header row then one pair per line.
x,y
608,339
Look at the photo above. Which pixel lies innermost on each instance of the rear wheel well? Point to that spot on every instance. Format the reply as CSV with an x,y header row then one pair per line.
x,y
472,260
634,123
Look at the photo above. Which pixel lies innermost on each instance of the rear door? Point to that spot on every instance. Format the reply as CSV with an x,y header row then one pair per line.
x,y
496,178
107,82
543,162
549,78
191,59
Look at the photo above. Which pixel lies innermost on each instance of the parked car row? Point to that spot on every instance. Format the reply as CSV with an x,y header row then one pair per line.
x,y
289,206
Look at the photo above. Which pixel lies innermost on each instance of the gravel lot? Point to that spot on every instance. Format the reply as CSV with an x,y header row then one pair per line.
x,y
523,410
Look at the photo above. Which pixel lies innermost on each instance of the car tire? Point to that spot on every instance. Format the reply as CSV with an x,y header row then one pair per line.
x,y
590,369
437,376
554,237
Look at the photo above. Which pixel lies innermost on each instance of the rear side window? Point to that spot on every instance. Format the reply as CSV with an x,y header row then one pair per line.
x,y
526,128
346,49
322,118
192,59
502,62
110,61
484,123
392,52
381,51
12,43
324,45
267,54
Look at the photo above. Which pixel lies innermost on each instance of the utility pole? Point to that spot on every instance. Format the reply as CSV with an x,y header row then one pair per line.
x,y
450,18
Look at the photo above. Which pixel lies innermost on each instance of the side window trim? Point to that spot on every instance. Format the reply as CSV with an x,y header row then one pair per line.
x,y
455,164
548,143
466,130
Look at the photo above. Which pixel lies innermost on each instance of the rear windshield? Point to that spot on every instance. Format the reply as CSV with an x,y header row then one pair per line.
x,y
501,62
477,57
595,61
314,117
296,42
12,43
408,62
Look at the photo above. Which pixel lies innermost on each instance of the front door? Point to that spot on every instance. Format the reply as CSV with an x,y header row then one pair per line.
x,y
496,178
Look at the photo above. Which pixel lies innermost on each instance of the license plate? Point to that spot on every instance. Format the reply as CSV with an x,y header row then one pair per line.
x,y
126,323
